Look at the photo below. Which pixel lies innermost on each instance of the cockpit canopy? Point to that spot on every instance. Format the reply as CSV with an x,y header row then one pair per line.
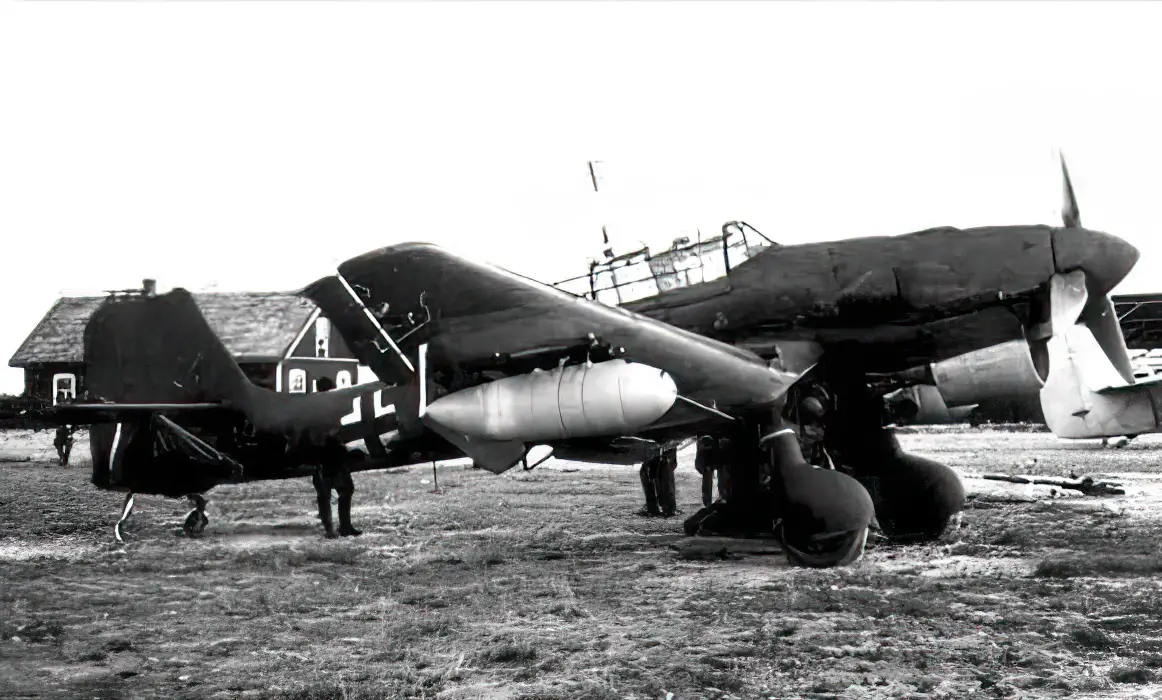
x,y
642,274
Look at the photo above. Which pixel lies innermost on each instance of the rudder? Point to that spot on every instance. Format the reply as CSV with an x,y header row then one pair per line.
x,y
158,349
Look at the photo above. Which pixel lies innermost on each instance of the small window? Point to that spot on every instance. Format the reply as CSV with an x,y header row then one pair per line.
x,y
64,387
298,381
343,379
322,337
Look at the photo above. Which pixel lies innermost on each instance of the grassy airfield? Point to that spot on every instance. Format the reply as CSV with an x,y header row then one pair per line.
x,y
545,584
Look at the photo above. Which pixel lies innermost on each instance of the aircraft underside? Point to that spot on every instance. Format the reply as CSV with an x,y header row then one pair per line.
x,y
815,486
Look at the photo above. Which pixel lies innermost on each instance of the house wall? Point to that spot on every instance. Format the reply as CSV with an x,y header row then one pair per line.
x,y
314,369
38,378
303,360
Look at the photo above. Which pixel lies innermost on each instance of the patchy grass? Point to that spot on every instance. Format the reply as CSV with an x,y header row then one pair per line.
x,y
546,585
1131,674
1099,565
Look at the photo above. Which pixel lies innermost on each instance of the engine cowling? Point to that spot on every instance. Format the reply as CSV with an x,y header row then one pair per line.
x,y
1000,371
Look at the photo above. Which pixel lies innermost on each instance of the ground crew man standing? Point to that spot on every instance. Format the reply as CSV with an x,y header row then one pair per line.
x,y
706,463
63,444
657,477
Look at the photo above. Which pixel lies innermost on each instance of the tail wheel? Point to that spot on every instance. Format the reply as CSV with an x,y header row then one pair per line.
x,y
196,522
826,550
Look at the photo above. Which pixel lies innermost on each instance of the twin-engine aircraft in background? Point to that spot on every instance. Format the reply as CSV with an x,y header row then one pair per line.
x,y
474,360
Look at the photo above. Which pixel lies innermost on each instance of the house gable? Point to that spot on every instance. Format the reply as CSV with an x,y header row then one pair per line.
x,y
304,346
254,326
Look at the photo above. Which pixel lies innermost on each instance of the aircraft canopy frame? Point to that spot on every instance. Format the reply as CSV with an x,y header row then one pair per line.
x,y
641,274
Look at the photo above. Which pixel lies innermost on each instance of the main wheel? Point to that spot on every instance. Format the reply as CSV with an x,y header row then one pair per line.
x,y
825,550
916,499
195,523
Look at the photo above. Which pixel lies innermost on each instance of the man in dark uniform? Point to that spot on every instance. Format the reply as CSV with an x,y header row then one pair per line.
x,y
812,431
666,487
63,444
706,463
338,479
657,477
334,477
648,474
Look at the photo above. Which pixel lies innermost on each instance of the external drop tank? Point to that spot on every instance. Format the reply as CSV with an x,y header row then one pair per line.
x,y
604,399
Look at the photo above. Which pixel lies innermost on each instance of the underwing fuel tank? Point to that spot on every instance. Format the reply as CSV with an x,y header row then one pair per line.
x,y
608,398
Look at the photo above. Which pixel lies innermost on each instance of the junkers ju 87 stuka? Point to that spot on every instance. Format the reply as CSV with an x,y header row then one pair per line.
x,y
722,340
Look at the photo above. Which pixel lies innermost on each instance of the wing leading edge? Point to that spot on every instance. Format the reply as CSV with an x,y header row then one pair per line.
x,y
472,312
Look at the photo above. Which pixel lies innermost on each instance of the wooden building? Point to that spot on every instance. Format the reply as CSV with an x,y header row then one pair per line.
x,y
280,341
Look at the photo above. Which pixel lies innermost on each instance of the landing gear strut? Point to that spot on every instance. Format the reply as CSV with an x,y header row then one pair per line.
x,y
196,520
820,516
126,511
915,498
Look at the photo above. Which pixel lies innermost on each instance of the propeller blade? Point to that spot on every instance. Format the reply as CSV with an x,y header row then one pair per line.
x,y
1067,299
1102,320
1075,299
1070,214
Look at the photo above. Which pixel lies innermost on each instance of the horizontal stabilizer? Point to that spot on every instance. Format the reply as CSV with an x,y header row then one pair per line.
x,y
92,413
127,407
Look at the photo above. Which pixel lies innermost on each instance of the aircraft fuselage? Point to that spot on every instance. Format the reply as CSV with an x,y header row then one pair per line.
x,y
899,300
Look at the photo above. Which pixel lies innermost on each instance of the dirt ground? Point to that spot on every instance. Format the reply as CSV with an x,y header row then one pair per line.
x,y
545,584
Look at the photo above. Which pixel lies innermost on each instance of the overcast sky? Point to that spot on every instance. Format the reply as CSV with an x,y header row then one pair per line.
x,y
253,145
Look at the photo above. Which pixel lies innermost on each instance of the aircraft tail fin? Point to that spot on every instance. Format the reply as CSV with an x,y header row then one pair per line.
x,y
160,350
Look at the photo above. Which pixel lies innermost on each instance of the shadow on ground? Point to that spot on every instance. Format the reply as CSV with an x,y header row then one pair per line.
x,y
544,584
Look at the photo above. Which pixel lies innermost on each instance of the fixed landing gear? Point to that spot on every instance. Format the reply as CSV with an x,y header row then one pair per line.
x,y
194,524
824,551
126,511
916,499
339,479
820,516
196,520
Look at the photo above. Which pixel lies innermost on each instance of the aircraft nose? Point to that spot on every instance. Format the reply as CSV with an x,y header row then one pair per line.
x,y
1105,258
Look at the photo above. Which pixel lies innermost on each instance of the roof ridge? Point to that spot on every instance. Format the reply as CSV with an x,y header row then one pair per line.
x,y
28,338
249,324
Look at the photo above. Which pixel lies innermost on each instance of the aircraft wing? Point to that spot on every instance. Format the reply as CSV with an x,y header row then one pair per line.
x,y
473,314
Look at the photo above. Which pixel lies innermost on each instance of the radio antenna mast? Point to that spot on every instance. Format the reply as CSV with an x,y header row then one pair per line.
x,y
608,252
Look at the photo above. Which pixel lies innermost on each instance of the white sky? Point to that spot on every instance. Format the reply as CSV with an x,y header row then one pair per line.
x,y
253,145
